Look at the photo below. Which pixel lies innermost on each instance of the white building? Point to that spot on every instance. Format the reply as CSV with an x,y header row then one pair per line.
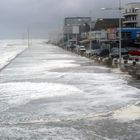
x,y
98,35
132,15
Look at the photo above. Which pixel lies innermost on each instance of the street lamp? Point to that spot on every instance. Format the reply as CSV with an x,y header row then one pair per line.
x,y
90,30
120,27
120,30
28,36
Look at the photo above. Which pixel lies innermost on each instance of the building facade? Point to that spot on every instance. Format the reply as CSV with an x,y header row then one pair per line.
x,y
75,26
110,25
132,15
71,22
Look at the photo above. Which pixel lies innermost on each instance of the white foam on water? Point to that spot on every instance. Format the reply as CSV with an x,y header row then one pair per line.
x,y
22,93
46,66
96,88
9,49
43,133
128,113
54,64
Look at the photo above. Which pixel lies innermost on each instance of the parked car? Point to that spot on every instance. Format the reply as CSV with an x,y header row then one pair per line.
x,y
130,48
72,47
115,52
96,51
90,52
134,52
102,52
82,50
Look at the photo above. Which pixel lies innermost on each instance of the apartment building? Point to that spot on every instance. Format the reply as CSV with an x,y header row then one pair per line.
x,y
71,22
75,26
132,15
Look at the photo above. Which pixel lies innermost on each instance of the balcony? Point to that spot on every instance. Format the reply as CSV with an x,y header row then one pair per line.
x,y
130,14
130,21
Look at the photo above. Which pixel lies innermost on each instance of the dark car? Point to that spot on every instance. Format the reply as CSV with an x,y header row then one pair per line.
x,y
102,52
115,52
72,47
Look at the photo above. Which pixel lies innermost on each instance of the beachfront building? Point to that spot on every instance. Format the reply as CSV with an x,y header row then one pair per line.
x,y
75,26
132,15
108,25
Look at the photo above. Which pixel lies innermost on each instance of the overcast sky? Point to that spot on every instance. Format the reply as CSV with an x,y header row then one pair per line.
x,y
43,16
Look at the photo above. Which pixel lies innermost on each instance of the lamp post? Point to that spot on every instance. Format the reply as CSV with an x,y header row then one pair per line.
x,y
120,28
90,30
120,34
28,36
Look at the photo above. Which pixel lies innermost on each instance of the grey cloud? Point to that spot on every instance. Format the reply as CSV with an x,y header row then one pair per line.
x,y
45,15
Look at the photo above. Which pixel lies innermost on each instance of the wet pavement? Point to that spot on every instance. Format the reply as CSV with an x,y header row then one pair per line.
x,y
50,94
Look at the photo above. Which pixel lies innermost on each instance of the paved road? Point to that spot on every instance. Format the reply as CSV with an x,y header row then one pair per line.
x,y
50,94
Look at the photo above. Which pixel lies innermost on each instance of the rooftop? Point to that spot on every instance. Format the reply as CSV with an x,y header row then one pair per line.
x,y
106,23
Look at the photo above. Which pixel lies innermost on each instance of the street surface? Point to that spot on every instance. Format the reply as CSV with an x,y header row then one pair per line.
x,y
47,93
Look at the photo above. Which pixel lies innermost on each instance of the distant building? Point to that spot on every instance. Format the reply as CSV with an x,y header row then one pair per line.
x,y
132,15
110,25
100,35
70,22
130,33
75,26
106,23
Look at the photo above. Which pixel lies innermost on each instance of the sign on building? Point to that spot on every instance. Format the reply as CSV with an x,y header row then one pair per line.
x,y
75,30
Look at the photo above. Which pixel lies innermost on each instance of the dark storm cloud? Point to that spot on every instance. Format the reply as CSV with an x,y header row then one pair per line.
x,y
45,15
